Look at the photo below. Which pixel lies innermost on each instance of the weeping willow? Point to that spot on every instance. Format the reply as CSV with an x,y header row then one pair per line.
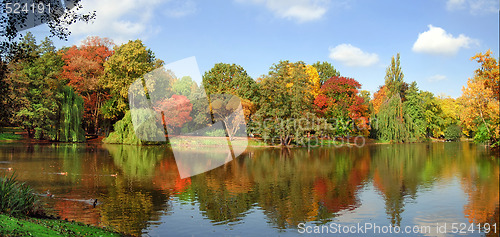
x,y
70,120
391,124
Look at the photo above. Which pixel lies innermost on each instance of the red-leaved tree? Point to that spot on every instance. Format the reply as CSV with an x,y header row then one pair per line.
x,y
339,99
175,112
84,65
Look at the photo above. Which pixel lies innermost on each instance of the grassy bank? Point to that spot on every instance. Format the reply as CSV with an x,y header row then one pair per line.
x,y
9,134
12,226
20,209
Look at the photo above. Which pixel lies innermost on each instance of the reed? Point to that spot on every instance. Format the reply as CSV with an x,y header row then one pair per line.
x,y
16,198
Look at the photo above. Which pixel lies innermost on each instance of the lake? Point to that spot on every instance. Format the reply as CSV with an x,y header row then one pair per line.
x,y
430,189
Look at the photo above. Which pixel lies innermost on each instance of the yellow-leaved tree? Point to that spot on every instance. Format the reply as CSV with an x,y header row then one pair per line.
x,y
314,78
480,101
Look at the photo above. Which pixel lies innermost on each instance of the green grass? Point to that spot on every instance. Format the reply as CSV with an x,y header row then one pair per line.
x,y
382,141
256,142
18,206
10,129
10,136
11,226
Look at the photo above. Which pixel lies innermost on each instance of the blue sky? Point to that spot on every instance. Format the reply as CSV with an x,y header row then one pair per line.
x,y
435,38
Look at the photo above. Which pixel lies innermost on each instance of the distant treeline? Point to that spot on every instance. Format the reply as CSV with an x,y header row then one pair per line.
x,y
61,94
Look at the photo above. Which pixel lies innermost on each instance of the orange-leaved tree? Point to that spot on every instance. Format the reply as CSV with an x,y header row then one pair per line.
x,y
480,102
83,67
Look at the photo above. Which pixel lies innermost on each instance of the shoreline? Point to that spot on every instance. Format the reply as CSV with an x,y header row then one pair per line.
x,y
49,226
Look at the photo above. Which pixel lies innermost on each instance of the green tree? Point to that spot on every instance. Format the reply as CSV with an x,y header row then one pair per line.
x,y
413,111
35,69
390,123
283,102
71,114
232,79
124,132
394,78
325,71
433,115
42,105
452,132
129,63
5,102
186,87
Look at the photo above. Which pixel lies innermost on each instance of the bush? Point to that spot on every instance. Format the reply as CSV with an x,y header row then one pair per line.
x,y
452,132
17,198
124,132
482,135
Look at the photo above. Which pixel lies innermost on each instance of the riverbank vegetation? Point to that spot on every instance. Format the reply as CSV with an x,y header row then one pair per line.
x,y
65,94
21,214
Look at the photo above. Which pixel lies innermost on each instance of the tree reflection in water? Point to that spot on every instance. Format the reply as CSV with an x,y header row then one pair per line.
x,y
138,187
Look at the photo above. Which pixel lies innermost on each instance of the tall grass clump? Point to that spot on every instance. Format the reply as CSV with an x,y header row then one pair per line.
x,y
17,199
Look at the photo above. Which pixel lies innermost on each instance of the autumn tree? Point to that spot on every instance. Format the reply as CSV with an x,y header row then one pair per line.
x,y
315,79
35,87
283,101
325,71
228,110
232,79
450,117
43,105
488,71
340,100
480,102
83,68
378,98
175,112
129,63
433,115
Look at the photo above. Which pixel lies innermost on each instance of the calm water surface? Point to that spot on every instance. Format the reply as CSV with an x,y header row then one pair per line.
x,y
265,191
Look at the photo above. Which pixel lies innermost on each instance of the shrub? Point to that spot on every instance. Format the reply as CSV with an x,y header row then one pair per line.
x,y
452,132
124,132
17,198
482,134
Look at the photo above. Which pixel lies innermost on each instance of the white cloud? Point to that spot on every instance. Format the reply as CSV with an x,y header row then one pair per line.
x,y
181,9
299,10
353,56
437,77
484,6
437,41
453,5
475,6
123,20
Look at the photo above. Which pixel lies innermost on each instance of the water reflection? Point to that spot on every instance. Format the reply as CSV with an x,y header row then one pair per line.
x,y
139,188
